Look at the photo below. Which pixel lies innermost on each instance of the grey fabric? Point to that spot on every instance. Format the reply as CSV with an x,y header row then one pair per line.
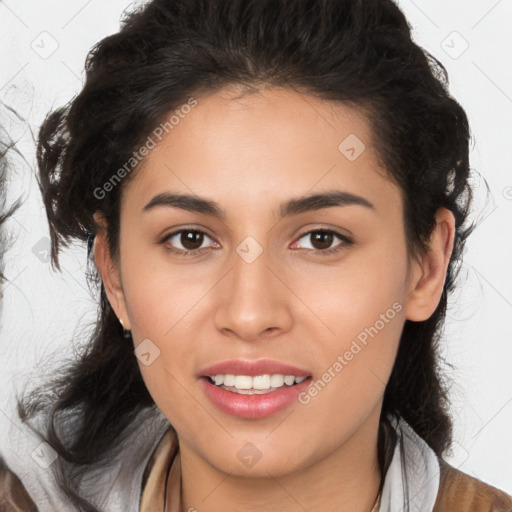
x,y
412,480
115,488
411,483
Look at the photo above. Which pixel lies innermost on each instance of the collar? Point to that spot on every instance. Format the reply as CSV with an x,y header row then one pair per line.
x,y
411,481
163,463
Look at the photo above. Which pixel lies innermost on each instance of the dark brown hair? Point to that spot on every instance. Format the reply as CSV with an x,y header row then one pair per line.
x,y
358,52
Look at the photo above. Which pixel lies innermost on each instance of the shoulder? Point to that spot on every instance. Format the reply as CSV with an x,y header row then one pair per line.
x,y
460,492
13,495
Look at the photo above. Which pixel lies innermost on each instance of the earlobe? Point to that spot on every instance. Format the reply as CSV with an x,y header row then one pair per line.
x,y
109,272
429,275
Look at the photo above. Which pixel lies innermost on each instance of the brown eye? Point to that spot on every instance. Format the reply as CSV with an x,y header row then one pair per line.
x,y
191,241
321,241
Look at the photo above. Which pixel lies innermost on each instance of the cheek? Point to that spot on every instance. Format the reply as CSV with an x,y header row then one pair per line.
x,y
160,297
362,306
353,294
355,364
163,304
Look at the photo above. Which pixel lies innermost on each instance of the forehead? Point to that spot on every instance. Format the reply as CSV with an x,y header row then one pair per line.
x,y
240,147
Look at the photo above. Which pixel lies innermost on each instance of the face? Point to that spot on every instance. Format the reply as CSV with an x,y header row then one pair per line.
x,y
266,281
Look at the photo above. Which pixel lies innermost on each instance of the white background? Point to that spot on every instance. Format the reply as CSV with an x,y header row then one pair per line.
x,y
43,311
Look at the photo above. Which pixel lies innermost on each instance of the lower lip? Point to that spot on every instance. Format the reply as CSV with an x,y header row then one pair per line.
x,y
253,406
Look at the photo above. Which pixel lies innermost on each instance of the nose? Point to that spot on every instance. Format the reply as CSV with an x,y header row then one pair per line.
x,y
254,303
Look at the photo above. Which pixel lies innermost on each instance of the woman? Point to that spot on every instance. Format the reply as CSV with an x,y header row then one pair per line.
x,y
232,366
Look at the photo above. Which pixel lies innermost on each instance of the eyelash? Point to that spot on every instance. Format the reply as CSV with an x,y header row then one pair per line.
x,y
325,252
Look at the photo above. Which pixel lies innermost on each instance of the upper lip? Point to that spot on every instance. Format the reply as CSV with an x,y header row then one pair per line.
x,y
252,368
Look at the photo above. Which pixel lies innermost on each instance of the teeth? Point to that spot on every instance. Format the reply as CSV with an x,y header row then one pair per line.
x,y
276,381
243,382
229,380
289,380
256,383
261,382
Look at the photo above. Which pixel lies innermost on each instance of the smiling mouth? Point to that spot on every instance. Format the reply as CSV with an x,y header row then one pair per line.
x,y
255,385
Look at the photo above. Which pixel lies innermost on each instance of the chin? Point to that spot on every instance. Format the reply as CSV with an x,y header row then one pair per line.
x,y
249,461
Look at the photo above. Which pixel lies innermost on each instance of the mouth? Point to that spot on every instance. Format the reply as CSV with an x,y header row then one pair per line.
x,y
253,389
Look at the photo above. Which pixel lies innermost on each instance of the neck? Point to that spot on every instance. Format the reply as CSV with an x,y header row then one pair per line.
x,y
348,478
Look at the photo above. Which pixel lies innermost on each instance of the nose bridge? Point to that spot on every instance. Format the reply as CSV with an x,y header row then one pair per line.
x,y
251,274
253,300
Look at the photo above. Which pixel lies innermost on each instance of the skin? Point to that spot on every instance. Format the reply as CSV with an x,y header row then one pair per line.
x,y
292,303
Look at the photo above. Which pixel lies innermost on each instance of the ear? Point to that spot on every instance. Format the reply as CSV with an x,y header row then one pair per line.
x,y
428,276
109,272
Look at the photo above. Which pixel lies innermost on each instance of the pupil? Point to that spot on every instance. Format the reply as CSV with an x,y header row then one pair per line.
x,y
323,243
187,237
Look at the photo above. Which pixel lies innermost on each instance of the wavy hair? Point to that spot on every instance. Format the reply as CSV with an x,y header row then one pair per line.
x,y
358,52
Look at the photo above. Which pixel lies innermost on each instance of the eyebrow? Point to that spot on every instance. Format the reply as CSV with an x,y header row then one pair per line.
x,y
291,207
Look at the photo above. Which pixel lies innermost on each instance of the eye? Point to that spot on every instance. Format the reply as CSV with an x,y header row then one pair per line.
x,y
190,239
322,240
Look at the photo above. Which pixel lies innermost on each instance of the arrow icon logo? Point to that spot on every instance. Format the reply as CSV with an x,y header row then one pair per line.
x,y
249,455
454,45
249,249
146,352
352,147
